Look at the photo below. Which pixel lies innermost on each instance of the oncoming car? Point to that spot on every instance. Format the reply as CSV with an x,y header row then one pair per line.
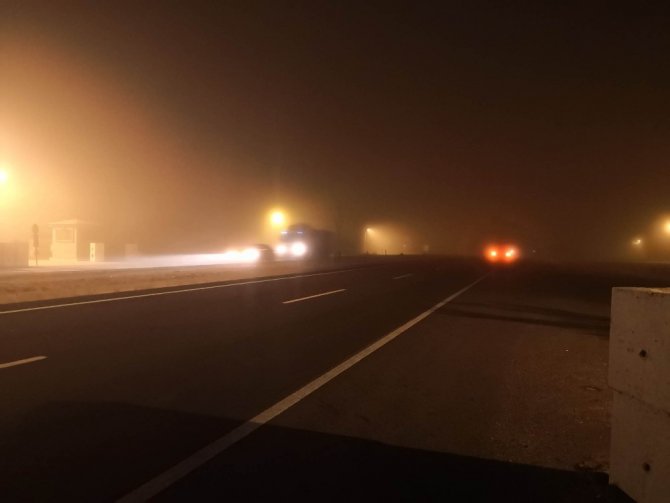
x,y
505,254
249,254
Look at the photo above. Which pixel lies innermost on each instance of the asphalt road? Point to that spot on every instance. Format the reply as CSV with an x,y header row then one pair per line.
x,y
498,394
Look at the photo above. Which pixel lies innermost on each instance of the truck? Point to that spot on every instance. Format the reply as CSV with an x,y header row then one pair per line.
x,y
301,241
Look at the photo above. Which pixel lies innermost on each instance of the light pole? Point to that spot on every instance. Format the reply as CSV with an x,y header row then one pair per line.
x,y
368,230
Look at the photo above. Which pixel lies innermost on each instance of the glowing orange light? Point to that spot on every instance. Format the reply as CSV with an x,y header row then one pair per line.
x,y
506,254
277,218
492,254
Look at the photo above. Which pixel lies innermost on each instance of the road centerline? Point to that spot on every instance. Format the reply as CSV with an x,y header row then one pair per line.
x,y
22,362
314,296
166,479
404,276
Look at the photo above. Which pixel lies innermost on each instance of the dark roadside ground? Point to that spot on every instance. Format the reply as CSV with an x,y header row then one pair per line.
x,y
499,396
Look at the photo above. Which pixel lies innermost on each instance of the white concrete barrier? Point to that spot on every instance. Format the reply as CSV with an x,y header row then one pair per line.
x,y
639,373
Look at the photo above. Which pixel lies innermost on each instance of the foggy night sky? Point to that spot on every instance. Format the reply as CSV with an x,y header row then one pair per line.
x,y
462,121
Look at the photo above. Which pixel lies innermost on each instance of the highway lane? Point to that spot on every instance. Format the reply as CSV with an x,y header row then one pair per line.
x,y
501,395
132,386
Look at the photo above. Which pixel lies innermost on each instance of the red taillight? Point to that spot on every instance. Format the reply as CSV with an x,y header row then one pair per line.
x,y
506,254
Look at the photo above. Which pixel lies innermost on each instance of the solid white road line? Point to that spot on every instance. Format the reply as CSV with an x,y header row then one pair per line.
x,y
172,292
404,276
314,296
199,458
22,362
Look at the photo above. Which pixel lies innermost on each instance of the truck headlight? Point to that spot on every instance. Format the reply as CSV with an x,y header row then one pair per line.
x,y
298,249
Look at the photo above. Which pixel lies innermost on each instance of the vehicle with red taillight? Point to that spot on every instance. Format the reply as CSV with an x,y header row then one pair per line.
x,y
505,254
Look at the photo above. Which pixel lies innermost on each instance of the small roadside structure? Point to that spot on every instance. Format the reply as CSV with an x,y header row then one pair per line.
x,y
70,239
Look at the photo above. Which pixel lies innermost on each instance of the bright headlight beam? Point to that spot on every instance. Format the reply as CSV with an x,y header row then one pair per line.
x,y
298,249
251,255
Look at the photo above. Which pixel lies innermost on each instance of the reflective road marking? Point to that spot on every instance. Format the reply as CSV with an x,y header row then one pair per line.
x,y
199,458
314,296
22,362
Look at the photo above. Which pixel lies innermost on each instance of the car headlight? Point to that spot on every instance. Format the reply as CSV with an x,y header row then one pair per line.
x,y
281,249
231,256
298,249
251,254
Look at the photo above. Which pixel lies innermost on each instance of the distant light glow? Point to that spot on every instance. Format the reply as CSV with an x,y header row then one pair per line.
x,y
637,242
9,194
281,250
251,254
231,256
506,254
247,255
667,226
298,249
277,218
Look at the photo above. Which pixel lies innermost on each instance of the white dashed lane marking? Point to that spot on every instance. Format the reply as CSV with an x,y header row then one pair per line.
x,y
199,458
314,296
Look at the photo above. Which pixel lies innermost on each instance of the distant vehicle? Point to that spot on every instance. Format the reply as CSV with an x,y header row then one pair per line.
x,y
505,254
249,254
303,241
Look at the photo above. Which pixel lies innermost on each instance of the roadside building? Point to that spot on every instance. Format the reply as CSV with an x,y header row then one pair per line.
x,y
71,239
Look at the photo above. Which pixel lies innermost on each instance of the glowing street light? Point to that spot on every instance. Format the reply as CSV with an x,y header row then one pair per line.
x,y
368,230
277,218
666,226
8,188
637,242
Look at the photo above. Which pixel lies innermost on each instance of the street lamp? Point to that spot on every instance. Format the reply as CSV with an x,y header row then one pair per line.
x,y
666,227
7,188
368,230
277,218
